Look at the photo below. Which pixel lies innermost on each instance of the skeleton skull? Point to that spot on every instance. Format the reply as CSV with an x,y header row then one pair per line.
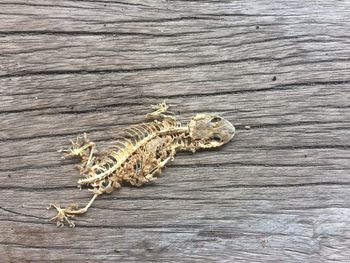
x,y
208,131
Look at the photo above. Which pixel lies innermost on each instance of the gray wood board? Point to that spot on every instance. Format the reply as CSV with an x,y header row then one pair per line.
x,y
279,192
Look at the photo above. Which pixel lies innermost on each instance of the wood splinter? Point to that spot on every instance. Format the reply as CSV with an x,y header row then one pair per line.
x,y
139,156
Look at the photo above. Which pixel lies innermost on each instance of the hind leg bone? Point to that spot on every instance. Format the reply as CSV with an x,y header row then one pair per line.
x,y
64,214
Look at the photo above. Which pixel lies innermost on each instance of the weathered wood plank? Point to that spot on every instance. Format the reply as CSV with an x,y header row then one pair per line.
x,y
279,192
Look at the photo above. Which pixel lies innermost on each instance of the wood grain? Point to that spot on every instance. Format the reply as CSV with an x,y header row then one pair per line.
x,y
279,192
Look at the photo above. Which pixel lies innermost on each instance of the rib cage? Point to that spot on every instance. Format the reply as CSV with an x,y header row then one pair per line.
x,y
125,159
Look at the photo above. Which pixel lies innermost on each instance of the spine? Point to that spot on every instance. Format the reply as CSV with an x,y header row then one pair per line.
x,y
122,157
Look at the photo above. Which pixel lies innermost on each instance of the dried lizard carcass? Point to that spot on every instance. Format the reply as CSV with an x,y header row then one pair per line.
x,y
141,154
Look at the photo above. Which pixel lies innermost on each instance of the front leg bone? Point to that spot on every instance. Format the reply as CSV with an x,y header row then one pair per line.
x,y
161,112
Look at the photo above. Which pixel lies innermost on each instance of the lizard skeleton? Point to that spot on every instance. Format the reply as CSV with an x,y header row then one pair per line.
x,y
141,154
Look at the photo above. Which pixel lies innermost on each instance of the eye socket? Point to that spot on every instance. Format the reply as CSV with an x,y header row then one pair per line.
x,y
216,138
216,119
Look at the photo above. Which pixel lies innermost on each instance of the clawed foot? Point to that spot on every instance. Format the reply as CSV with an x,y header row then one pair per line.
x,y
63,215
161,112
78,147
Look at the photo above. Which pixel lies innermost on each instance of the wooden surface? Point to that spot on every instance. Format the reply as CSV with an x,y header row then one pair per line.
x,y
279,192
